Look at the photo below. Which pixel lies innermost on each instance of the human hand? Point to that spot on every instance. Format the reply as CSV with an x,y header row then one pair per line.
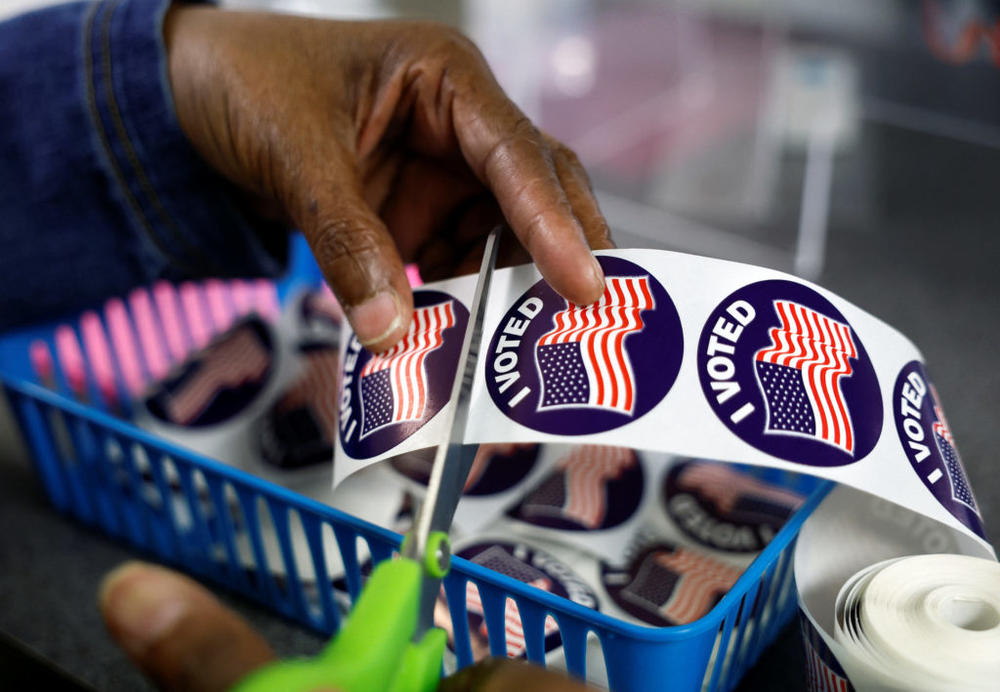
x,y
381,141
185,640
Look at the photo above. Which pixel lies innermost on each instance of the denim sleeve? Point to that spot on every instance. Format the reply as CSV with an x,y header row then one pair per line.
x,y
99,188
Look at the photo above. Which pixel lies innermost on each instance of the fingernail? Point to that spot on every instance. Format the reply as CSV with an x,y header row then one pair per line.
x,y
598,275
140,604
376,318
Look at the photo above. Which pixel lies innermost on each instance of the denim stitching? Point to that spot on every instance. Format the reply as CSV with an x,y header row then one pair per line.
x,y
176,235
89,76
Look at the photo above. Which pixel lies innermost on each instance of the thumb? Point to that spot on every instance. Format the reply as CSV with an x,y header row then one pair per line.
x,y
176,632
357,256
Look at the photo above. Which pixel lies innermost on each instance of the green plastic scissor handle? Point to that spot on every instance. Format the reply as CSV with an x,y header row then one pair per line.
x,y
372,652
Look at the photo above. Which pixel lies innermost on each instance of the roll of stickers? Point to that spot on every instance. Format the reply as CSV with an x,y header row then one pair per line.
x,y
851,538
905,620
695,358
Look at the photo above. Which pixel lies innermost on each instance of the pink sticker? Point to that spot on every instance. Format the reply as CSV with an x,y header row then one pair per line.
x,y
266,299
149,332
194,313
413,274
99,355
123,342
165,296
41,362
219,306
71,359
242,296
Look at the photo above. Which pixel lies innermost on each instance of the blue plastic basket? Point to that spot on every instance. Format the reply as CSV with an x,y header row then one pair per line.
x,y
109,474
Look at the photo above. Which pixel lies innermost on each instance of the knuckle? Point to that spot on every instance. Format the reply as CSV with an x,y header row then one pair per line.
x,y
456,45
519,136
344,245
570,156
440,43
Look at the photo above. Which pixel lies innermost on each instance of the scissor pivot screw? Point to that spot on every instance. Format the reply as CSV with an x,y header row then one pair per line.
x,y
437,559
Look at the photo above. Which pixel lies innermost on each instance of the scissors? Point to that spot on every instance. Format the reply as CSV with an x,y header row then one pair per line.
x,y
389,642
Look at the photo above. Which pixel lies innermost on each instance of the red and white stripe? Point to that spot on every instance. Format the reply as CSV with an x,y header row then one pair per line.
x,y
316,388
513,628
405,361
600,329
587,471
701,579
941,425
724,486
821,676
233,360
821,348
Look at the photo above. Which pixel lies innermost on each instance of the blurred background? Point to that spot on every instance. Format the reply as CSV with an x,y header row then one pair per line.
x,y
854,143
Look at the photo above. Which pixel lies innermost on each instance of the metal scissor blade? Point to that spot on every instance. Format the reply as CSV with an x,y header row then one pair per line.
x,y
453,459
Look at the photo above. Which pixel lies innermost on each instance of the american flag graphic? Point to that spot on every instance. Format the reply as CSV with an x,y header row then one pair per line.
x,y
960,490
316,389
728,489
582,360
821,677
394,383
800,374
679,585
234,359
499,560
513,629
577,491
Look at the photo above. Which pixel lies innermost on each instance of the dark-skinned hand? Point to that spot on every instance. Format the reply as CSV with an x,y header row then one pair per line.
x,y
385,142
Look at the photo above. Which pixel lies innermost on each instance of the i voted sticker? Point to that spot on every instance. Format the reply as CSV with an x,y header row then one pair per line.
x,y
592,488
298,430
385,398
665,584
930,447
569,370
785,372
721,507
219,382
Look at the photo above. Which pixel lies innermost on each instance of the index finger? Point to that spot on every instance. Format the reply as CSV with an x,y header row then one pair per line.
x,y
508,153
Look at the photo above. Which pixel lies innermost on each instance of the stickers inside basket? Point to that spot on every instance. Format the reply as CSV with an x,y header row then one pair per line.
x,y
298,429
590,488
497,478
219,382
663,584
589,496
719,506
526,564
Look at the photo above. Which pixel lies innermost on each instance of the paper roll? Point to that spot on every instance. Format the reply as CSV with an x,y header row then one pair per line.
x,y
927,622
